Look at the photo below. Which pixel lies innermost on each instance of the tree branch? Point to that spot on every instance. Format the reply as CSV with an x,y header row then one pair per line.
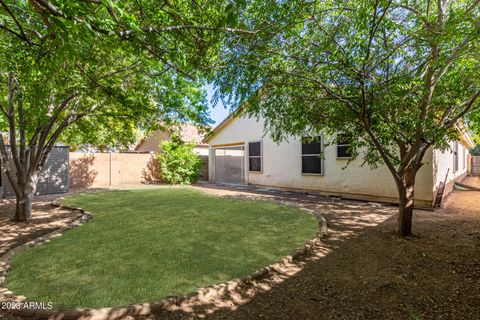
x,y
46,5
6,164
23,35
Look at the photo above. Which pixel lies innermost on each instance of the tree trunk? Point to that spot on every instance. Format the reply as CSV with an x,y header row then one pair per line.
x,y
406,188
24,200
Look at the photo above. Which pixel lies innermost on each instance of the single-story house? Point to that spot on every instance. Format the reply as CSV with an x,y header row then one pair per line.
x,y
241,153
187,132
53,180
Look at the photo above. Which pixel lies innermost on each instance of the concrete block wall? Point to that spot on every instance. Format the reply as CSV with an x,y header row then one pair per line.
x,y
89,170
54,178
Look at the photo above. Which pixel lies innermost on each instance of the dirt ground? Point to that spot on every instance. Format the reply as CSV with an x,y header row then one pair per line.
x,y
369,273
45,218
361,270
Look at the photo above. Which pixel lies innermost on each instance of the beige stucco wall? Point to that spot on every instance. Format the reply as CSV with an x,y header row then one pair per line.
x,y
443,161
443,166
201,150
282,168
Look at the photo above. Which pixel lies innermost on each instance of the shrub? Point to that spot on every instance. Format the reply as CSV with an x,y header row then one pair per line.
x,y
475,151
178,163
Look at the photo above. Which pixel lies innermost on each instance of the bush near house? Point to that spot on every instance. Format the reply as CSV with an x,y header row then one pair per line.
x,y
475,151
178,163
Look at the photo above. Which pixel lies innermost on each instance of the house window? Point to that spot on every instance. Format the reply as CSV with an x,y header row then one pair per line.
x,y
455,156
343,147
311,155
255,156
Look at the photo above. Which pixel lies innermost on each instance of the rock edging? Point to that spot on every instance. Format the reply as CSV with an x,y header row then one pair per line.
x,y
142,309
5,259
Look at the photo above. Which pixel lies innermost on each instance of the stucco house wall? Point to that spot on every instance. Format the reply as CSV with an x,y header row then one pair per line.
x,y
282,167
443,166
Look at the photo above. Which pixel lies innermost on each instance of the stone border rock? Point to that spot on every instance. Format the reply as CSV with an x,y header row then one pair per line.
x,y
142,309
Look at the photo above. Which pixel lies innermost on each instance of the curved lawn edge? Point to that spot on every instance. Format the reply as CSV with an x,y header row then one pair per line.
x,y
142,309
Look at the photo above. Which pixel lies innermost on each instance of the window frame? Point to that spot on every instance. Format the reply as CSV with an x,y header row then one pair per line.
x,y
322,160
260,156
342,145
455,157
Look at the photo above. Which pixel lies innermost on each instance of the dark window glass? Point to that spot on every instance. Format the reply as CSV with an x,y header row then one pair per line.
x,y
455,156
312,164
343,146
254,149
311,155
343,151
255,156
311,145
255,164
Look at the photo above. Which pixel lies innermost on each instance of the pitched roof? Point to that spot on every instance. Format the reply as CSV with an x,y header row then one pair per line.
x,y
188,133
191,133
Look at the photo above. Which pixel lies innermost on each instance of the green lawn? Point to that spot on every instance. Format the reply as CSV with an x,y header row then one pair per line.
x,y
143,245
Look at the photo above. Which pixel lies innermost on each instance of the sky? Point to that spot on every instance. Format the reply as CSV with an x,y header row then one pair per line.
x,y
218,113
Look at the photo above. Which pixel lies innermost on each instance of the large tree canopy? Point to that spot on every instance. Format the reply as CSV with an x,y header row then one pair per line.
x,y
95,71
93,49
396,76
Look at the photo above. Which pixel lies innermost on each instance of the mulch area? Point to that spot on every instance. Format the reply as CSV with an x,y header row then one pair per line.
x,y
361,271
45,219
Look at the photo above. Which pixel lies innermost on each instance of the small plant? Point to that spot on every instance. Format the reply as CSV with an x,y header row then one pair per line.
x,y
178,163
475,151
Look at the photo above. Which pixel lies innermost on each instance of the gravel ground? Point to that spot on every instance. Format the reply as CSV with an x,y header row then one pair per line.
x,y
362,270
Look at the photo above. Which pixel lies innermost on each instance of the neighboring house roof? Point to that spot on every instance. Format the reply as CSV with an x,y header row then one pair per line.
x,y
191,133
188,133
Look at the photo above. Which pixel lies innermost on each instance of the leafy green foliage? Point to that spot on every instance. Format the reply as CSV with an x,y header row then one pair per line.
x,y
129,64
179,164
475,151
398,75
381,71
93,73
